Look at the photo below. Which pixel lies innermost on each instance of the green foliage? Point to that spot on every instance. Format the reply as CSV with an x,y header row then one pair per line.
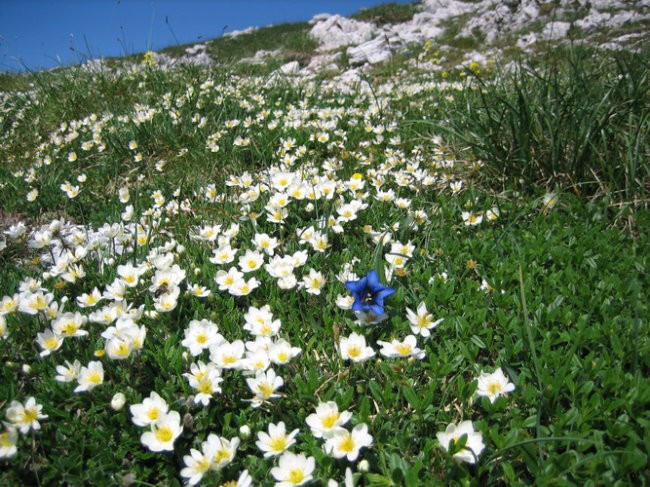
x,y
575,122
388,13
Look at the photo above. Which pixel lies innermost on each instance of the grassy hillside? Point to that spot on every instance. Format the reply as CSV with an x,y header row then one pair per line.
x,y
423,277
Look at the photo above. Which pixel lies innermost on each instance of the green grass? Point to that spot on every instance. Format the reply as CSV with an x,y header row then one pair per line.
x,y
554,294
389,13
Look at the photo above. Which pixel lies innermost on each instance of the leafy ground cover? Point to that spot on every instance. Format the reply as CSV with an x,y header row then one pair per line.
x,y
183,263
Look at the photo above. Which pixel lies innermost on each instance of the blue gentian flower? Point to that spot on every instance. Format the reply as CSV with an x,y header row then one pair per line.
x,y
369,294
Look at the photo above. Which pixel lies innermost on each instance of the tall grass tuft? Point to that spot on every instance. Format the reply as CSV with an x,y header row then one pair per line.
x,y
580,122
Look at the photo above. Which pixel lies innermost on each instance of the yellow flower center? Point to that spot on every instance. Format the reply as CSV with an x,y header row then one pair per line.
x,y
69,328
330,420
51,342
30,415
164,434
221,455
283,357
4,440
229,359
39,303
403,349
122,349
278,443
354,351
206,387
94,377
296,476
201,338
347,445
494,388
153,413
265,390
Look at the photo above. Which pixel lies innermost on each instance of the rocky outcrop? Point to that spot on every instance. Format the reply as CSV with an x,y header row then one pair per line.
x,y
488,21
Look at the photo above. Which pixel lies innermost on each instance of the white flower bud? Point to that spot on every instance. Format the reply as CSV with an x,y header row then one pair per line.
x,y
118,401
363,466
244,432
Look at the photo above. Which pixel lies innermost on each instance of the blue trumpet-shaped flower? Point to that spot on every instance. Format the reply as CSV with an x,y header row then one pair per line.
x,y
369,294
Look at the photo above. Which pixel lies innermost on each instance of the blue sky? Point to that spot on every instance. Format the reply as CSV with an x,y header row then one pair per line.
x,y
47,33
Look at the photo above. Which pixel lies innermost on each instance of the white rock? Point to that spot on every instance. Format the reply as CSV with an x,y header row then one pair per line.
x,y
325,61
623,18
290,68
593,20
556,30
378,50
260,56
237,33
334,31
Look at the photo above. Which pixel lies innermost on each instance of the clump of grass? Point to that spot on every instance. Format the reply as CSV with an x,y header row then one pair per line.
x,y
577,122
293,38
389,13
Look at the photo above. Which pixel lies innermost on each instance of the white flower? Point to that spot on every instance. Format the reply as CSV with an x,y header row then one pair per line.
x,y
354,348
149,411
228,355
327,419
406,348
69,325
473,447
25,417
204,378
197,464
251,261
260,322
471,219
244,288
276,440
422,323
344,302
68,372
49,342
494,385
32,195
220,450
163,433
293,469
89,300
201,335
313,282
281,352
32,303
8,440
265,243
90,376
549,200
264,386
343,443
227,280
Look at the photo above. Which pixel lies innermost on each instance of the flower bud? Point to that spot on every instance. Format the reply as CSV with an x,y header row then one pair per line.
x,y
118,401
244,432
363,466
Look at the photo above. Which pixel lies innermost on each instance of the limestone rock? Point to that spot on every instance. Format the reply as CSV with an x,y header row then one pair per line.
x,y
556,30
334,31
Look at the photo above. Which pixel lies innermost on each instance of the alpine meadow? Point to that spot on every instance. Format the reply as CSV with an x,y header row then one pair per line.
x,y
297,262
